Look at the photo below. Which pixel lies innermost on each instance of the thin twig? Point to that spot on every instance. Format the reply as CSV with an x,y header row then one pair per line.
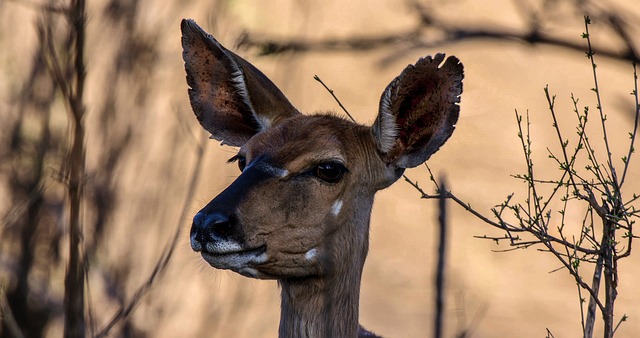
x,y
317,78
596,89
74,301
623,319
636,122
440,266
167,253
419,37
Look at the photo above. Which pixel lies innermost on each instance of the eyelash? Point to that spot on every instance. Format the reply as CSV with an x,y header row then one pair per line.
x,y
242,161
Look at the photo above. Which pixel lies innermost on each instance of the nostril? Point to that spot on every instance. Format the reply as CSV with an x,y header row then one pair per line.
x,y
207,227
219,224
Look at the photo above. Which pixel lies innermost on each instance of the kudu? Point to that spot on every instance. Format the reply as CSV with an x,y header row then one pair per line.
x,y
299,211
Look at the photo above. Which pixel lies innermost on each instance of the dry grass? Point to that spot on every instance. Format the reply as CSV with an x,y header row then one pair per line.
x,y
143,145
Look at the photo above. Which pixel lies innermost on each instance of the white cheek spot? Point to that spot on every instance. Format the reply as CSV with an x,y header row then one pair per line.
x,y
281,172
336,207
311,254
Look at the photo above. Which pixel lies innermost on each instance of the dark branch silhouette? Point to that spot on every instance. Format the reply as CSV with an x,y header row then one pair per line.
x,y
432,30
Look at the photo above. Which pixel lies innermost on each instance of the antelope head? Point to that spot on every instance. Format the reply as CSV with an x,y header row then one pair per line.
x,y
299,211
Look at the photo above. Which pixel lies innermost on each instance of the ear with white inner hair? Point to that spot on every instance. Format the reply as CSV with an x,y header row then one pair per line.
x,y
419,110
231,98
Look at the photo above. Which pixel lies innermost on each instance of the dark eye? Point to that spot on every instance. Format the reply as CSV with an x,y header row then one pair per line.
x,y
330,172
242,161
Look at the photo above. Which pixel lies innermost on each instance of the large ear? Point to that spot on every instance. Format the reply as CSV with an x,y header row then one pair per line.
x,y
231,98
419,110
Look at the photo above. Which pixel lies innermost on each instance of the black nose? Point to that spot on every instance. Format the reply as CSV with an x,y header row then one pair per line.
x,y
210,227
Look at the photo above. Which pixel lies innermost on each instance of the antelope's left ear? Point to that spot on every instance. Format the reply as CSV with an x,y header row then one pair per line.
x,y
419,110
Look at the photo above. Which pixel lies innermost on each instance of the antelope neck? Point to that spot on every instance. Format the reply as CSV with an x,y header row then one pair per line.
x,y
320,307
328,305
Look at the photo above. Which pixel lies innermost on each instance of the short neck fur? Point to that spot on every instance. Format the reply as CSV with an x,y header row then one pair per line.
x,y
328,305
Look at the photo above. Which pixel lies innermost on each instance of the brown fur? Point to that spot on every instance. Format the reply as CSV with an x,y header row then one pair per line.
x,y
284,221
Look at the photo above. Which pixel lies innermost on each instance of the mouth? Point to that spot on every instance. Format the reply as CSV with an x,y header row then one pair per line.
x,y
239,261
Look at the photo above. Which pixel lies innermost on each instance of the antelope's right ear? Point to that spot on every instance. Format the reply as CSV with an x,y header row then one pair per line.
x,y
231,98
419,110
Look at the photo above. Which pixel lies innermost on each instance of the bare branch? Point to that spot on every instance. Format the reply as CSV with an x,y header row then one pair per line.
x,y
317,78
636,122
7,316
422,36
167,253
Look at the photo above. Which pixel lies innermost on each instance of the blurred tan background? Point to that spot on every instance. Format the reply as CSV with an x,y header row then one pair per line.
x,y
143,140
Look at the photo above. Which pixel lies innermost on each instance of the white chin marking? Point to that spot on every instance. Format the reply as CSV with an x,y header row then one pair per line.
x,y
248,272
337,206
223,247
311,254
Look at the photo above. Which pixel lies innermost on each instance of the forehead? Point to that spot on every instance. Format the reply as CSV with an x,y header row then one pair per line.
x,y
307,138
